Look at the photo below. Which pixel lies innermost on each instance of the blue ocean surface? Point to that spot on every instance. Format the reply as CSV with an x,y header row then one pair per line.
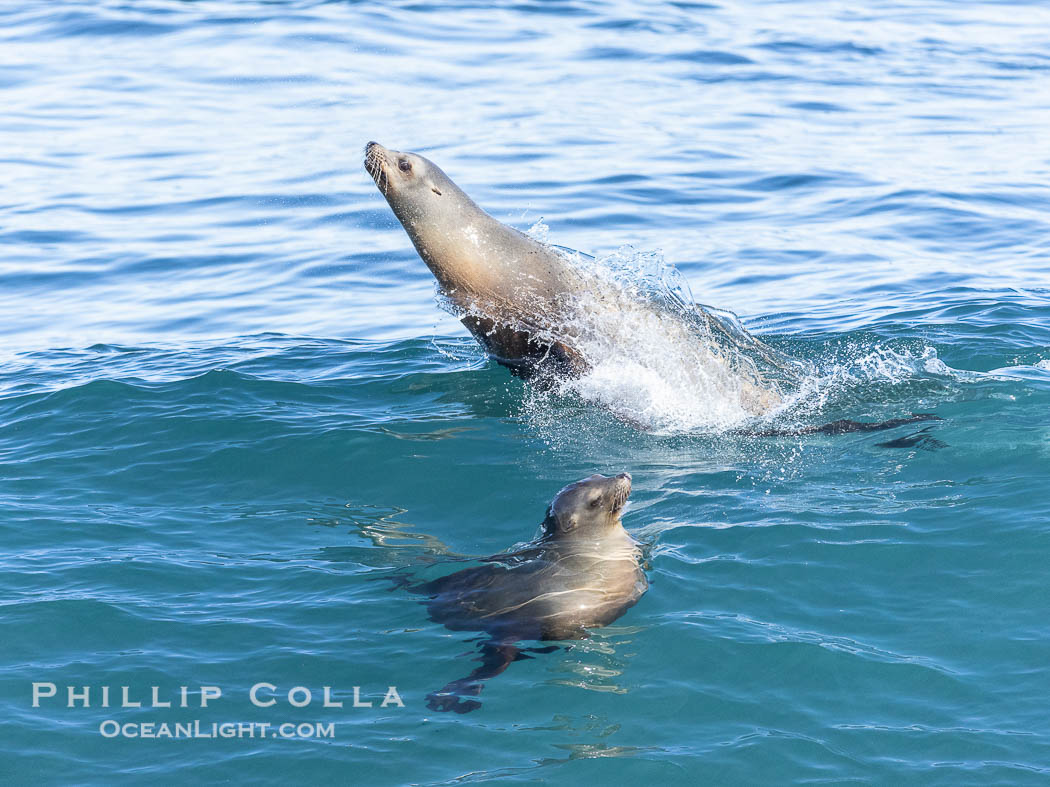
x,y
232,407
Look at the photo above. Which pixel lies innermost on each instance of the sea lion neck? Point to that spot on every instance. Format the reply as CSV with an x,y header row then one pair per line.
x,y
607,536
466,249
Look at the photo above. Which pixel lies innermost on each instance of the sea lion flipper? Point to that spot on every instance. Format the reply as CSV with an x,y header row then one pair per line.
x,y
569,359
520,350
495,658
921,439
846,426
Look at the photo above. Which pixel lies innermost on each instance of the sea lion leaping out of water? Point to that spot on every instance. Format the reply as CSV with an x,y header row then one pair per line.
x,y
584,571
508,288
536,312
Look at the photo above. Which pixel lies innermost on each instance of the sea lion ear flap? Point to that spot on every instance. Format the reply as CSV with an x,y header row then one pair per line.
x,y
549,524
552,526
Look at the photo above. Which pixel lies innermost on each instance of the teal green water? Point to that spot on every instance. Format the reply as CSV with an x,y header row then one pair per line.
x,y
231,410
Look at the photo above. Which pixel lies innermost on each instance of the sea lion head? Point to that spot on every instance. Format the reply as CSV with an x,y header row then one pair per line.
x,y
589,508
410,183
449,231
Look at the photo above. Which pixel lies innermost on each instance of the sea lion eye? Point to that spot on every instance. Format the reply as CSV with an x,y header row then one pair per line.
x,y
404,165
595,502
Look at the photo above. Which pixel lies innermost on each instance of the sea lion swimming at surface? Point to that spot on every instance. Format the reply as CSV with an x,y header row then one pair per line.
x,y
535,311
584,571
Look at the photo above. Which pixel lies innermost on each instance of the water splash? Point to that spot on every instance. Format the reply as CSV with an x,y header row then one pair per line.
x,y
661,362
851,377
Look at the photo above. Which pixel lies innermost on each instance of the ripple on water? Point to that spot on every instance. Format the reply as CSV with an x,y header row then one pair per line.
x,y
229,403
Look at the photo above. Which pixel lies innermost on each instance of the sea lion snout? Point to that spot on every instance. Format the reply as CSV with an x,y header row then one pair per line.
x,y
621,491
405,179
375,165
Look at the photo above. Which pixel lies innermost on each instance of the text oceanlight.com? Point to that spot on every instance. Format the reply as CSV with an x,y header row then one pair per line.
x,y
111,728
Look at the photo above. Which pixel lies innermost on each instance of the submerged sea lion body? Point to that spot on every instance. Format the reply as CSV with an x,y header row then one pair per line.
x,y
583,572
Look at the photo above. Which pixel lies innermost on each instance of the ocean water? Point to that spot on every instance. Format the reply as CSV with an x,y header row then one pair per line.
x,y
231,405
